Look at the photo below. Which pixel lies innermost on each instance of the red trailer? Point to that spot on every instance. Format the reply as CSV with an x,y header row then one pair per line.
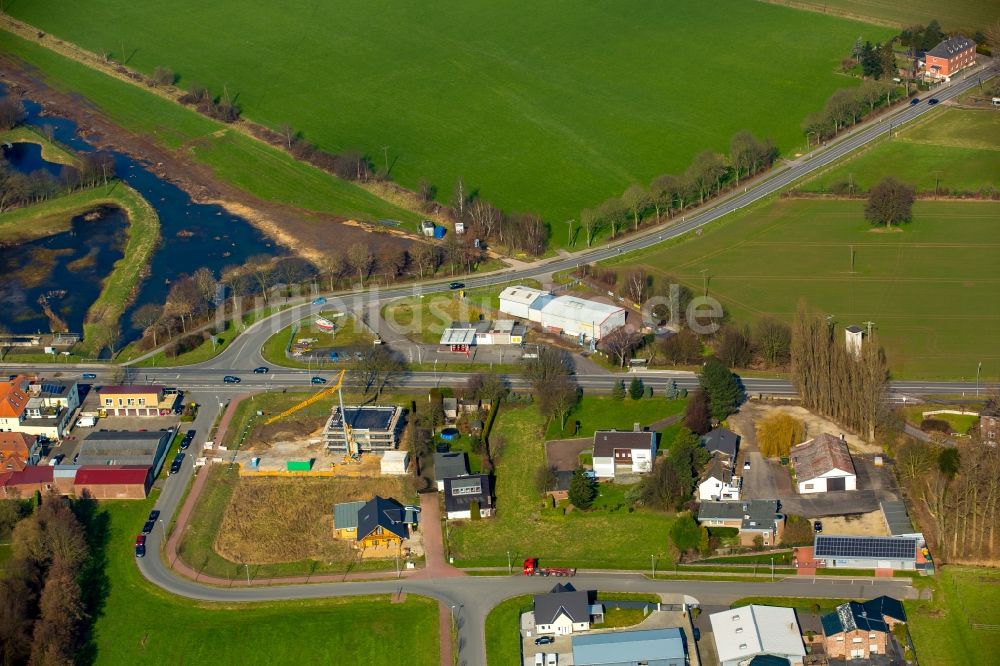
x,y
531,568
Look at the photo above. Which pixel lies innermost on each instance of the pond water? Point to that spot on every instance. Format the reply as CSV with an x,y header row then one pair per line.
x,y
27,158
64,271
193,235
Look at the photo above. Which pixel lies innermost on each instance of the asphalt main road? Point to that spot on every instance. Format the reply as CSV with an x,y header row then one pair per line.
x,y
471,598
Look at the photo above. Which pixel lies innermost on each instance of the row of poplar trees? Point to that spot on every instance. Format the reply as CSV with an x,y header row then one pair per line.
x,y
834,381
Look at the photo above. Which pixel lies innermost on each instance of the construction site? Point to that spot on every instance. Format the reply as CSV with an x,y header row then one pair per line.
x,y
353,441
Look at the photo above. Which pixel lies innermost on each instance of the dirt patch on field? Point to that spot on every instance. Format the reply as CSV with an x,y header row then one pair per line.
x,y
751,412
289,520
307,233
860,524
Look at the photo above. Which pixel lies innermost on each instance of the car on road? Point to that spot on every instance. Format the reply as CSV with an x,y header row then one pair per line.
x,y
154,514
89,375
319,301
140,546
746,464
932,101
262,370
544,640
175,466
190,434
184,444
318,380
231,379
456,285
914,101
148,527
818,526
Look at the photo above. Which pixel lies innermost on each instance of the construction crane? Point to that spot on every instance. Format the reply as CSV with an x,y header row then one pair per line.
x,y
352,452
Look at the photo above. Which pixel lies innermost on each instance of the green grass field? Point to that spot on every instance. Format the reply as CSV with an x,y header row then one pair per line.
x,y
525,530
142,624
546,107
955,150
942,630
259,169
957,14
930,289
604,413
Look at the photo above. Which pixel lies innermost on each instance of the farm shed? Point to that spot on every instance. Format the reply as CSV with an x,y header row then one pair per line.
x,y
578,316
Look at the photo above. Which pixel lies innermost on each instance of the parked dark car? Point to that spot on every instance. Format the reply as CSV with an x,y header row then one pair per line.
x,y
817,526
148,527
140,546
544,640
318,380
154,514
231,379
189,434
932,101
89,375
262,370
185,443
914,101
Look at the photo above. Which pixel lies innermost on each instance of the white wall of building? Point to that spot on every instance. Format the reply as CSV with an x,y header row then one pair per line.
x,y
819,484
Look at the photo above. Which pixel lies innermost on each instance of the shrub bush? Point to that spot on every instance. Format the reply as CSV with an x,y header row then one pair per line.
x,y
935,425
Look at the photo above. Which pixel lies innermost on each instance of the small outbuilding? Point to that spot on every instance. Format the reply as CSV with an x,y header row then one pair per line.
x,y
395,463
113,481
823,464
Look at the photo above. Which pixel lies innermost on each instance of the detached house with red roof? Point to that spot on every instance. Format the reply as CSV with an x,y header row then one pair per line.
x,y
13,403
18,450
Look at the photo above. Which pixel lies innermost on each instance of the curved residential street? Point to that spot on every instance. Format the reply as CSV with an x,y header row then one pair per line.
x,y
470,598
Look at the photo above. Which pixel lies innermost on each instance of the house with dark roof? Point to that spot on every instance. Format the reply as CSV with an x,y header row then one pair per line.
x,y
378,527
717,481
626,452
950,56
721,441
465,494
449,465
124,447
565,610
822,464
860,630
753,518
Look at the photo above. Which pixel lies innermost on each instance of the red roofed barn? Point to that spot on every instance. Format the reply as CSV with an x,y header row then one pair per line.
x,y
113,481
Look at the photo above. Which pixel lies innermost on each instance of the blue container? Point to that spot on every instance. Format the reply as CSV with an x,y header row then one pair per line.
x,y
449,434
439,232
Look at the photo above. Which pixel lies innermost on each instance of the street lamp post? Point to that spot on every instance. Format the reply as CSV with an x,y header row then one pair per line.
x,y
510,566
652,562
247,567
979,369
163,529
772,569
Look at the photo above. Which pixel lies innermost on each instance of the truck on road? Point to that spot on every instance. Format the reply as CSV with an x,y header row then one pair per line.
x,y
531,568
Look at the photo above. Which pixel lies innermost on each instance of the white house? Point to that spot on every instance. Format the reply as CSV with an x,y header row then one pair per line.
x,y
746,632
524,302
718,482
565,610
577,316
822,464
623,453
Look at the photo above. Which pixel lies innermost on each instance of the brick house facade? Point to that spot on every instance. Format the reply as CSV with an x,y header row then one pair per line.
x,y
950,56
857,630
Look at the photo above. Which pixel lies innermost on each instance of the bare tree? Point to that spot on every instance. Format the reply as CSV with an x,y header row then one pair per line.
x,y
426,257
147,317
663,193
774,341
636,199
259,266
637,285
590,221
890,202
612,211
361,259
375,370
705,173
621,342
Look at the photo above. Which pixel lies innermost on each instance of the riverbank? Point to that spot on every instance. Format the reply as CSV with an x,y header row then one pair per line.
x,y
51,217
51,151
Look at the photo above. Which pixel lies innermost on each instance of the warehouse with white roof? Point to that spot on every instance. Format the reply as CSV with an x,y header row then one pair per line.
x,y
524,302
750,631
568,315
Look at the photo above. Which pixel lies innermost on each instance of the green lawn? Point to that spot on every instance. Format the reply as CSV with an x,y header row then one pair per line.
x,y
348,333
930,288
142,624
942,629
259,169
969,15
960,423
423,318
548,114
956,150
601,412
503,636
523,529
